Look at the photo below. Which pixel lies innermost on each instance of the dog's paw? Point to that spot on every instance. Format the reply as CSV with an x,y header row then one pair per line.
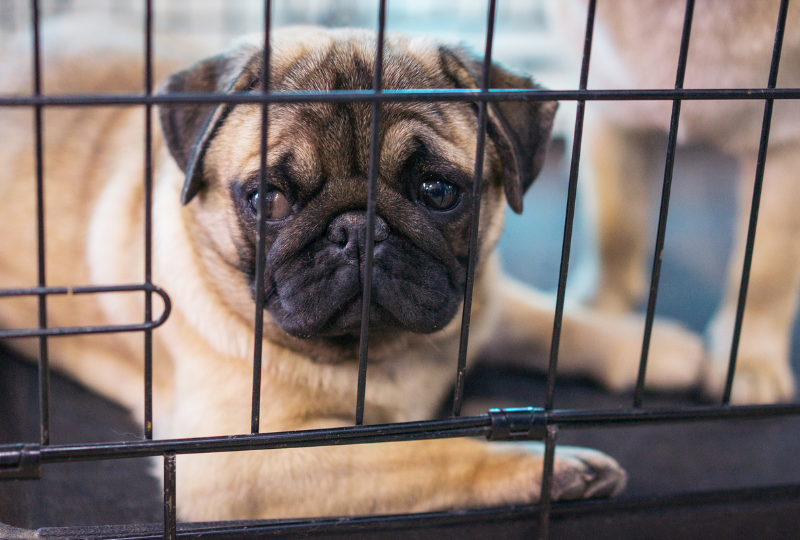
x,y
674,360
756,380
763,373
579,473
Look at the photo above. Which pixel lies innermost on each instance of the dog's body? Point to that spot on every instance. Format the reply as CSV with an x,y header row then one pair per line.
x,y
637,45
204,258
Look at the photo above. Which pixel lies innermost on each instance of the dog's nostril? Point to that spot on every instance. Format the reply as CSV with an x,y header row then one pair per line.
x,y
381,229
351,226
337,233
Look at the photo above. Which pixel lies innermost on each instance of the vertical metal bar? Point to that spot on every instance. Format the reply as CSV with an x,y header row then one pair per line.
x,y
170,514
372,186
665,192
546,496
148,219
569,219
255,415
44,364
477,180
756,202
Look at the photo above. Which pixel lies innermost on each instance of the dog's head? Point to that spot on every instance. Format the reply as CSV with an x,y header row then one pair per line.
x,y
317,169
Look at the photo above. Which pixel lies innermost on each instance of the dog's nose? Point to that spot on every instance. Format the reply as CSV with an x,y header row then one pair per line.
x,y
349,231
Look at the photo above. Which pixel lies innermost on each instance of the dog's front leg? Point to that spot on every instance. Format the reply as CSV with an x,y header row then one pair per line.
x,y
763,372
603,346
620,185
338,480
383,478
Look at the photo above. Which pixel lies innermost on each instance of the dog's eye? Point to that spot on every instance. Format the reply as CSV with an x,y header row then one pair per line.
x,y
277,206
438,194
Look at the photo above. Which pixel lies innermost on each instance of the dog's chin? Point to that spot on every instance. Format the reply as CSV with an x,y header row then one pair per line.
x,y
338,340
344,326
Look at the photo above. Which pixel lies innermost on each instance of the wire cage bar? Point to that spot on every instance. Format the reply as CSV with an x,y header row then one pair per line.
x,y
476,207
148,220
372,187
262,227
662,216
569,219
25,460
44,365
751,229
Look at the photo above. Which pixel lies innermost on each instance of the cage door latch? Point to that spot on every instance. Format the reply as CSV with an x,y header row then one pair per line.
x,y
518,423
20,461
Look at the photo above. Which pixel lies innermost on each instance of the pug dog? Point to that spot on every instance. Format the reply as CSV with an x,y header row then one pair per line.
x,y
636,46
206,163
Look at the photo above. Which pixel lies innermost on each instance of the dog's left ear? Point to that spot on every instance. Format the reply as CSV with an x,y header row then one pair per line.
x,y
520,130
189,128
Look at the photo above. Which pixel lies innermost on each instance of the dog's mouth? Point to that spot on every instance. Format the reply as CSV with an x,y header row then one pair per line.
x,y
335,312
343,327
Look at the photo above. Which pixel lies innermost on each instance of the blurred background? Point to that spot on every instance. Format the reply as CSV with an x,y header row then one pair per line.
x,y
523,32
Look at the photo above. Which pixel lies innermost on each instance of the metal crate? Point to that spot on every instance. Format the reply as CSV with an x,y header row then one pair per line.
x,y
24,460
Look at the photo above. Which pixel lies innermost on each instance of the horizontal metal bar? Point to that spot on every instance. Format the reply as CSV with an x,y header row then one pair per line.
x,y
33,291
475,426
78,330
341,525
437,429
84,289
20,462
464,95
579,419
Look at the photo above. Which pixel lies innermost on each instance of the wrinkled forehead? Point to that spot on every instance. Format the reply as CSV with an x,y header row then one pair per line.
x,y
312,59
325,140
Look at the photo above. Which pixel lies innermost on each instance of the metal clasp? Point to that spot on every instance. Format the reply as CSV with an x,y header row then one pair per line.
x,y
20,462
517,423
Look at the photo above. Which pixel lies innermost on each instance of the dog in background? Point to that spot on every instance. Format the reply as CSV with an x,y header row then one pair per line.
x,y
206,165
636,45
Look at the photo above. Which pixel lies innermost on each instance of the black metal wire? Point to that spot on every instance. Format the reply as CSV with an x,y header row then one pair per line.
x,y
569,219
477,184
468,426
44,363
408,431
372,187
261,248
148,220
756,201
76,330
662,217
395,96
546,496
170,503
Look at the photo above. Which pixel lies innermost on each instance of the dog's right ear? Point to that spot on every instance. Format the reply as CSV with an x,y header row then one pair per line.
x,y
189,128
520,129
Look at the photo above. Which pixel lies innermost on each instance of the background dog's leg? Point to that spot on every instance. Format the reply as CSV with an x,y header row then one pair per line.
x,y
623,163
603,346
383,478
763,372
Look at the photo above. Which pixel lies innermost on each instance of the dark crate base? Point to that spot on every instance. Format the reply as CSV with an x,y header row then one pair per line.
x,y
756,514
